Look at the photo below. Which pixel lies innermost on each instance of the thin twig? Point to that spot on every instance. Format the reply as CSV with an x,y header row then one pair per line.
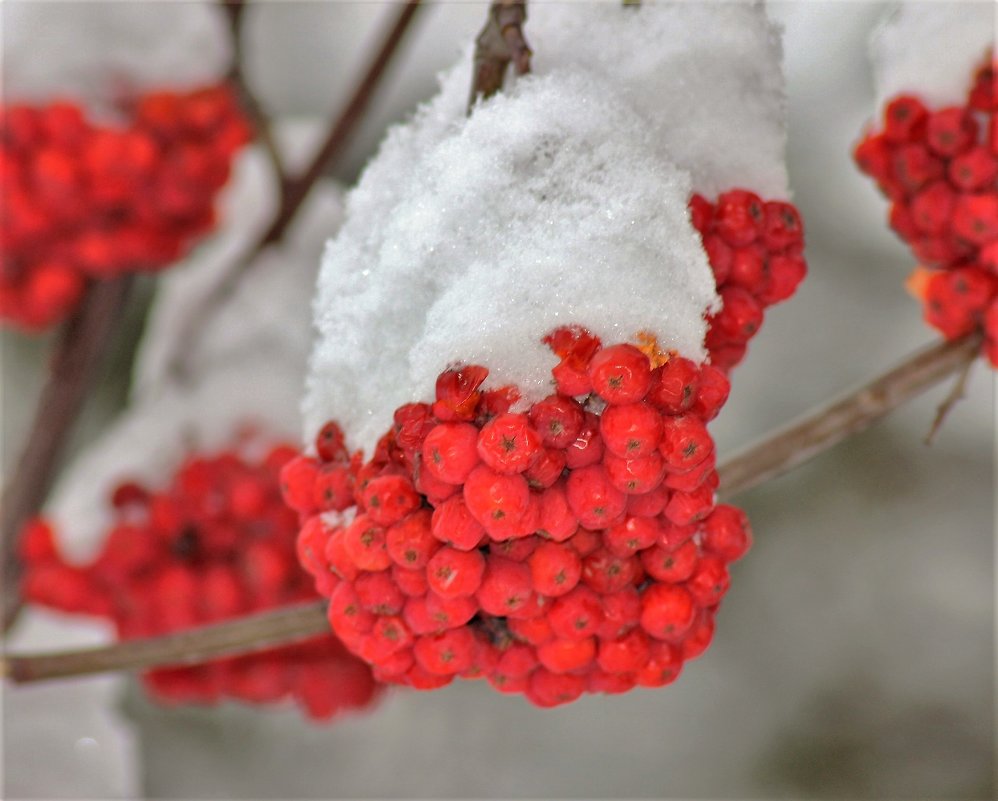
x,y
235,10
297,188
819,430
772,456
499,44
956,394
77,356
189,647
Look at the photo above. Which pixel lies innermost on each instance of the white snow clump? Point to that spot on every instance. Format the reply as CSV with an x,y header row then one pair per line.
x,y
932,49
562,200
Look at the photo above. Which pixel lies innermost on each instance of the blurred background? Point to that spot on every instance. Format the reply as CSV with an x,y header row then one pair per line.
x,y
855,656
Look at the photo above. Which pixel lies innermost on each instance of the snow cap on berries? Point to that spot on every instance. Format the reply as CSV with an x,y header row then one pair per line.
x,y
99,53
931,49
559,201
706,76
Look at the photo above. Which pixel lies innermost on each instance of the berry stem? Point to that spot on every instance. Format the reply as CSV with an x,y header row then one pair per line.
x,y
76,359
956,394
855,411
772,456
295,189
499,44
191,646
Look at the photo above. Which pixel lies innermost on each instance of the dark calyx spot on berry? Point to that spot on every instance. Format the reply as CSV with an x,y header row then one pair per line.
x,y
509,444
437,458
411,556
446,656
350,610
599,511
375,502
560,577
186,546
632,444
444,572
616,381
367,538
391,633
498,514
555,427
581,623
613,569
690,449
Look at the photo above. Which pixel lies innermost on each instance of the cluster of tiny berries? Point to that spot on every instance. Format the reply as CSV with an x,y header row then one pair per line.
x,y
572,548
85,201
939,169
755,249
218,543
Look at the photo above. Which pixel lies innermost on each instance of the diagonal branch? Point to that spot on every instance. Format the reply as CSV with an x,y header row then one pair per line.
x,y
825,427
297,188
235,11
189,647
77,357
772,456
500,43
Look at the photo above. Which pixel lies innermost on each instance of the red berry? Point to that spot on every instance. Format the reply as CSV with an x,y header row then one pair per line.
x,y
667,611
593,499
410,542
450,452
727,533
620,374
508,444
555,569
558,420
631,430
451,573
739,217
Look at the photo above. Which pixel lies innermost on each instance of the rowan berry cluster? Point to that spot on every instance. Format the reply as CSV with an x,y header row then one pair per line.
x,y
755,249
217,543
572,548
86,201
939,169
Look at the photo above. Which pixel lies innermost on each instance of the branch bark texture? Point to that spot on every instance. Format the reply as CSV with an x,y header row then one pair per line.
x,y
77,357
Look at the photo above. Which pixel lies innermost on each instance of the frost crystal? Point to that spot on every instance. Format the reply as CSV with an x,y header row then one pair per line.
x,y
563,200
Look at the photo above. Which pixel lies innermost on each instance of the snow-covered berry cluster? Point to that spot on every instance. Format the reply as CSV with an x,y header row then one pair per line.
x,y
755,249
574,547
85,201
217,543
939,169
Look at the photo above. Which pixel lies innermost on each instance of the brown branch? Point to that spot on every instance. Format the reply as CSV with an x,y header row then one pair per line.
x,y
76,359
235,11
772,456
297,189
823,428
189,647
499,44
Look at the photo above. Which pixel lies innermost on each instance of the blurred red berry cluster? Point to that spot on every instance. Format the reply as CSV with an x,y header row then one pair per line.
x,y
939,169
215,544
755,249
86,201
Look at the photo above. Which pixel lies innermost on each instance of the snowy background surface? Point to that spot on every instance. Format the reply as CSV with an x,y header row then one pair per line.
x,y
855,653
